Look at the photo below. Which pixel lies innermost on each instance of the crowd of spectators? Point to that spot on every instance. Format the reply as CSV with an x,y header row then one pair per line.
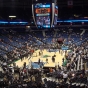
x,y
14,46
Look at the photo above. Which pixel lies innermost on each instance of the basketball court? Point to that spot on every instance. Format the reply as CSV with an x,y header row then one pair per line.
x,y
46,54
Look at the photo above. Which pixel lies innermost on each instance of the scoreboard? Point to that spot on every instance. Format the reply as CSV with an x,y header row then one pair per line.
x,y
56,15
42,12
45,15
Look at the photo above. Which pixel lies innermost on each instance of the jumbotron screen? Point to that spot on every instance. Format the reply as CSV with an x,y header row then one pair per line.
x,y
56,15
42,12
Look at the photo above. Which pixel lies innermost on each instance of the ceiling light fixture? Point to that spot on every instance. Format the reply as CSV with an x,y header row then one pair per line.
x,y
12,16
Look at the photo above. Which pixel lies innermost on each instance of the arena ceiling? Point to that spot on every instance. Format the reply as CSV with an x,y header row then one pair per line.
x,y
22,9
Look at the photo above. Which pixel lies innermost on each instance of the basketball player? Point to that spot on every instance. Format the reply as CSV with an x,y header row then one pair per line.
x,y
41,50
63,60
59,51
39,61
46,60
53,58
39,53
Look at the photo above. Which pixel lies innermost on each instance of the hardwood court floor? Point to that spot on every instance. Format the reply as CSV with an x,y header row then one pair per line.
x,y
35,57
